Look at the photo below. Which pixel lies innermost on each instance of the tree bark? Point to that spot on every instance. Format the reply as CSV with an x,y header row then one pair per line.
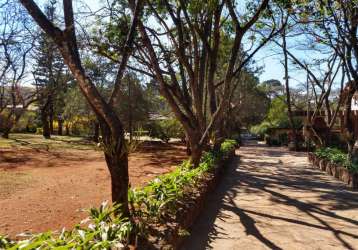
x,y
196,149
50,117
116,156
288,95
5,133
196,152
12,121
130,117
60,127
67,130
348,124
45,124
96,132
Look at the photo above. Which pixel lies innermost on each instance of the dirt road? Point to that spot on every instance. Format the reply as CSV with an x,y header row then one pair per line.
x,y
273,199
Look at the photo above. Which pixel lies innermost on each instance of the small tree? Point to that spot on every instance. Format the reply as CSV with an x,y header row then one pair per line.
x,y
16,43
49,74
115,151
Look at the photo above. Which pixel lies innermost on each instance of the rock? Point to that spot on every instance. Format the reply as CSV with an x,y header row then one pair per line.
x,y
316,161
322,164
334,170
328,168
345,175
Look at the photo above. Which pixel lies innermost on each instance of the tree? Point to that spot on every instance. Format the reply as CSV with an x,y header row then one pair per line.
x,y
186,67
340,31
287,88
75,109
299,26
16,43
134,106
329,28
49,75
249,104
114,144
272,88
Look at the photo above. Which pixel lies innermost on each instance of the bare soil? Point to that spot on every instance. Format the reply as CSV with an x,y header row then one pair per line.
x,y
42,189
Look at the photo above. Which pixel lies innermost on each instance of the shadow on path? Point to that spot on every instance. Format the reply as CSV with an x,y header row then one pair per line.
x,y
263,178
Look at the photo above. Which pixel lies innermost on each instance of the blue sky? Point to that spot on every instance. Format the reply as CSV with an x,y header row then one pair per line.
x,y
272,68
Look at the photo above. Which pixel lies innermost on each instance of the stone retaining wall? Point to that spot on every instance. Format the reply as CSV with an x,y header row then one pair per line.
x,y
339,172
171,235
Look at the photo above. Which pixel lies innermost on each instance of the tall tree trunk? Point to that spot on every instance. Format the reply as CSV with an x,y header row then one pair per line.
x,y
45,125
96,132
51,122
196,150
348,125
12,121
328,135
8,122
67,129
115,149
187,144
50,113
288,95
219,135
130,116
196,153
5,133
116,156
60,126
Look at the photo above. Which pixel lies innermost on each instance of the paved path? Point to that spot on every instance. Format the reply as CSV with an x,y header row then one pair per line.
x,y
273,199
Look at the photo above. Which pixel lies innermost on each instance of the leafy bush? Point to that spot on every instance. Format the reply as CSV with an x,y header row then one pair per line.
x,y
26,123
104,231
39,131
166,129
108,229
228,145
336,156
260,129
158,200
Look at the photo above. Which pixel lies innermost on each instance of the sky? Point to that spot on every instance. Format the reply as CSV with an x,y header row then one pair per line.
x,y
266,58
272,68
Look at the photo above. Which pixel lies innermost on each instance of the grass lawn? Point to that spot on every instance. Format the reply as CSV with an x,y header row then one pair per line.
x,y
38,142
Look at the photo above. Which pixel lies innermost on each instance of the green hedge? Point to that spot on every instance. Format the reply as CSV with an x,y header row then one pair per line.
x,y
336,156
165,129
156,202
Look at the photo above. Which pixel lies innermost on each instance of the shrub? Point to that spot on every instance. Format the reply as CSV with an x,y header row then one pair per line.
x,y
158,200
39,131
236,137
151,204
104,231
166,129
336,156
228,145
260,129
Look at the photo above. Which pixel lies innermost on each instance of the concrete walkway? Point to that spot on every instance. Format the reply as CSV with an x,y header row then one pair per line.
x,y
273,199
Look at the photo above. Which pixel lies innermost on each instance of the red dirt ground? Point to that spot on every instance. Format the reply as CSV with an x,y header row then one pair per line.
x,y
42,190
